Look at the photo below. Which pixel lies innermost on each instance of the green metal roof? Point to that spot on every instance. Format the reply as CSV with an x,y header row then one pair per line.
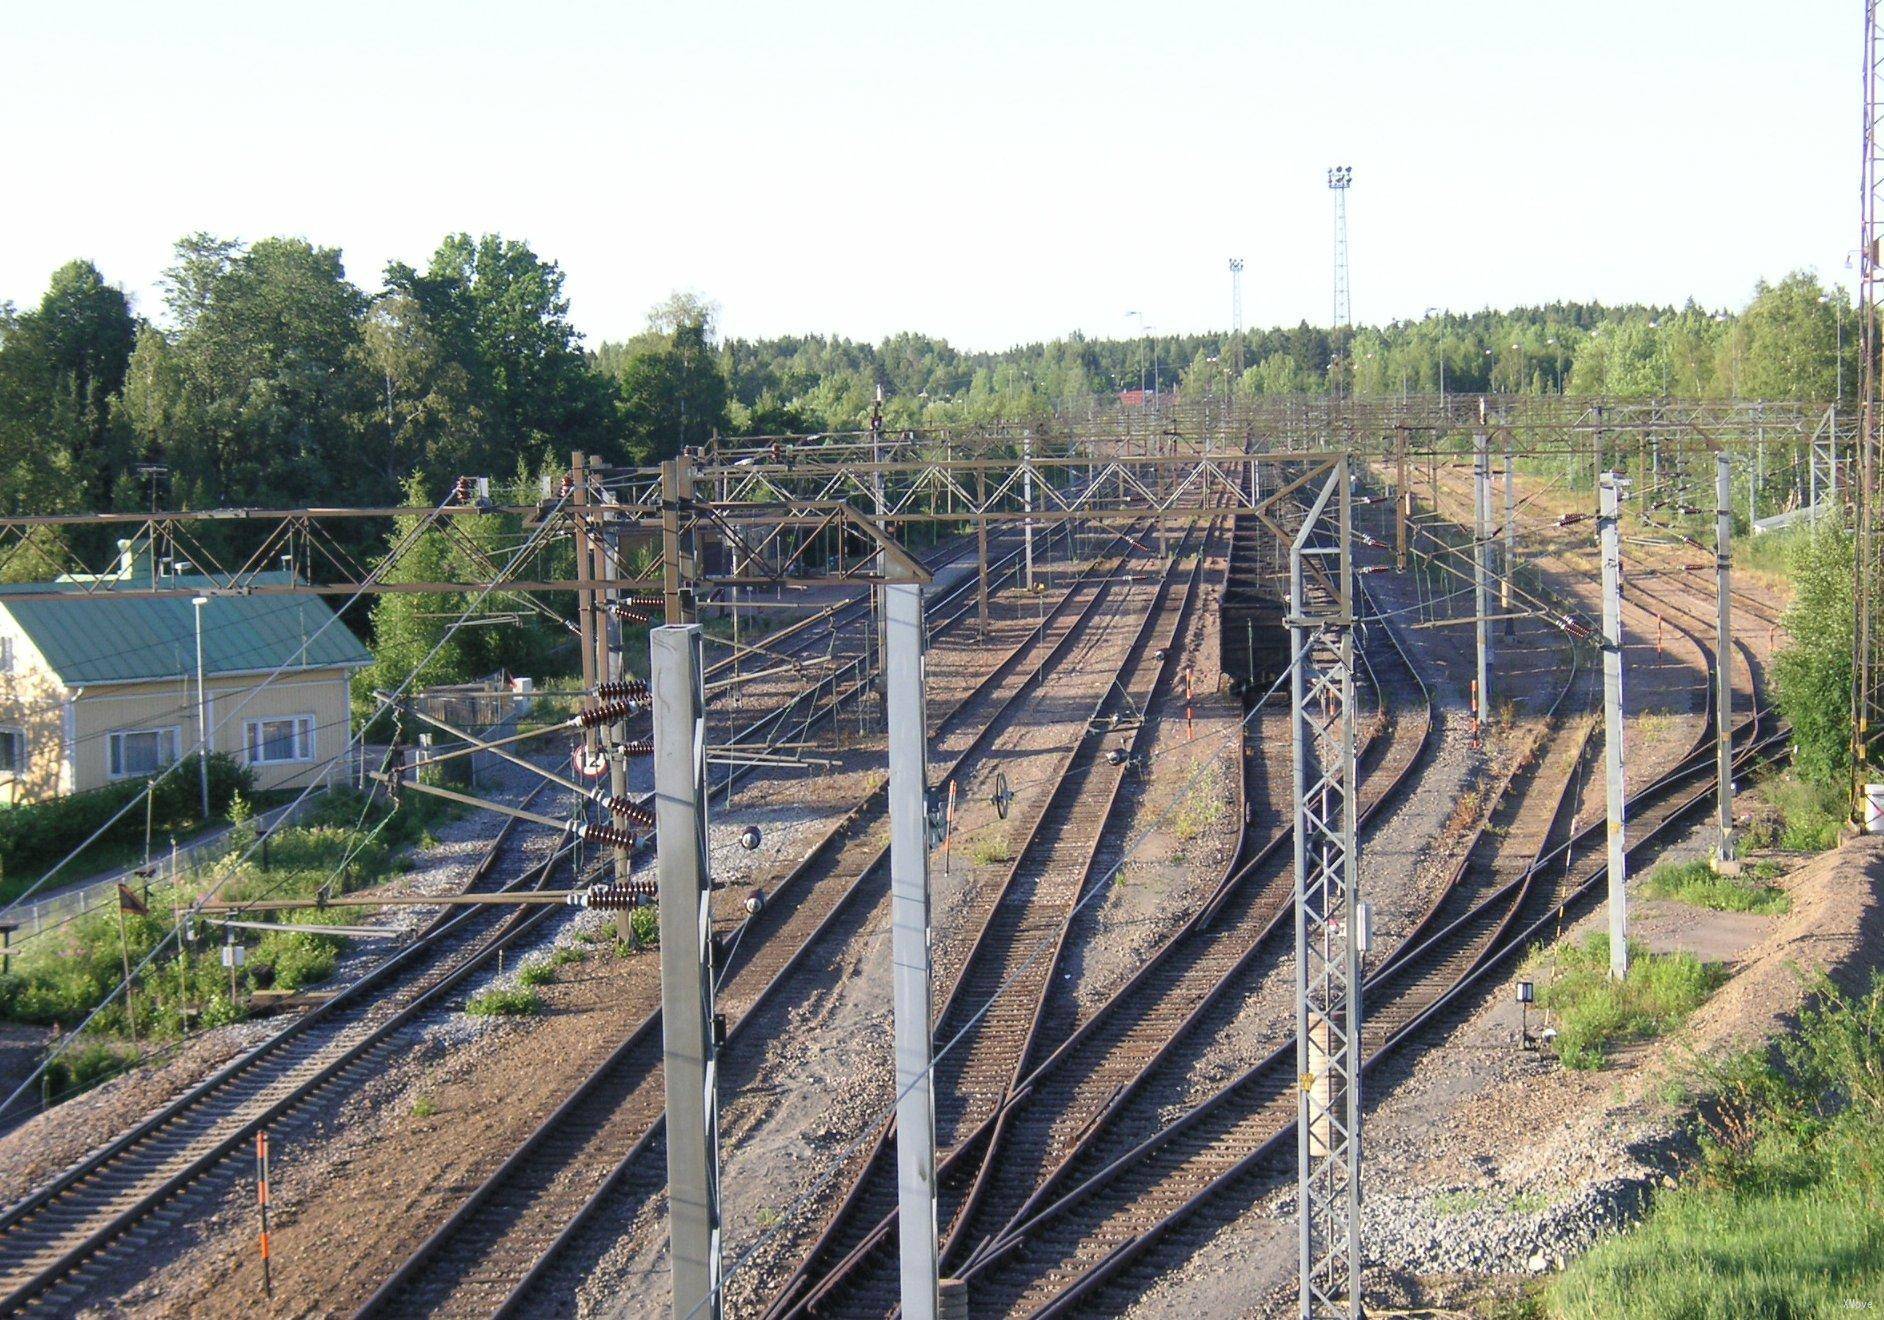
x,y
105,638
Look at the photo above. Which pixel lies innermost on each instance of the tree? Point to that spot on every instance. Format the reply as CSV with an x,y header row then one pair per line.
x,y
1813,673
498,310
672,386
62,371
271,379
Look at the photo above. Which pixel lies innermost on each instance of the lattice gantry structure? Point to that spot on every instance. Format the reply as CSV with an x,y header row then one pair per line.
x,y
1327,963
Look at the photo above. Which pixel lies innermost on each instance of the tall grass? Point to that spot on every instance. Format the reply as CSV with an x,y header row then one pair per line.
x,y
1696,884
63,975
1783,1216
1592,1013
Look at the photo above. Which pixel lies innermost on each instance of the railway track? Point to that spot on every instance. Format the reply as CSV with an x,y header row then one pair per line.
x,y
989,1022
1123,1216
69,1233
509,1234
59,1240
1081,1085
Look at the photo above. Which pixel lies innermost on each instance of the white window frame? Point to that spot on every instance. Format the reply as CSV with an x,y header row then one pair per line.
x,y
304,739
21,759
114,751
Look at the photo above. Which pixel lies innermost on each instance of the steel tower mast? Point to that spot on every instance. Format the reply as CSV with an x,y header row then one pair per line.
x,y
1236,314
1340,177
1868,658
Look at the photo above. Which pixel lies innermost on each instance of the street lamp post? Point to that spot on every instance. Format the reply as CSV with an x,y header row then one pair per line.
x,y
202,709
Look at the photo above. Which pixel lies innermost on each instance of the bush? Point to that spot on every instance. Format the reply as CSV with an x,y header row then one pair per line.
x,y
1812,675
537,972
1593,1013
35,835
1779,1218
1695,883
297,959
85,1065
504,1001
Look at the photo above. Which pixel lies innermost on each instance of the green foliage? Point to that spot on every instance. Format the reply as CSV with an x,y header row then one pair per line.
x,y
1812,674
539,971
646,922
1696,884
566,954
1780,1218
504,1001
35,835
990,847
64,974
85,1066
297,959
1804,815
423,1106
1592,1013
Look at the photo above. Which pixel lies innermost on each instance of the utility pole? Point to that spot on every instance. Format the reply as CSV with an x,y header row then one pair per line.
x,y
910,952
981,551
1403,498
1027,488
687,1033
1481,575
613,662
1327,956
1511,535
1610,533
1723,655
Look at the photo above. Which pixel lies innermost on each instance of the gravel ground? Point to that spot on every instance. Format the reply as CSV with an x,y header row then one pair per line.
x,y
1489,1165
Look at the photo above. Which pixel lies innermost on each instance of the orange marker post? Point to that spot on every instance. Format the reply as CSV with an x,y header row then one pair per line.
x,y
261,1194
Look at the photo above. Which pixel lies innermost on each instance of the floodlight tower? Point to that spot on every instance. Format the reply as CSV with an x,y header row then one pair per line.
x,y
1236,314
1340,178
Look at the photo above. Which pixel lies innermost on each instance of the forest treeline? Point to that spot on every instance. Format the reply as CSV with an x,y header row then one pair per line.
x,y
275,379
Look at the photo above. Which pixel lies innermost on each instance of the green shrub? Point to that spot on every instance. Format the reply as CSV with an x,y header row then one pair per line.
x,y
1812,674
537,972
646,922
1811,812
1591,1012
85,1065
505,1001
423,1106
1780,1216
35,835
566,954
298,959
990,847
1695,883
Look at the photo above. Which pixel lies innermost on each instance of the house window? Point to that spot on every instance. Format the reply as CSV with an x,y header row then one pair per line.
x,y
290,738
142,752
6,655
12,751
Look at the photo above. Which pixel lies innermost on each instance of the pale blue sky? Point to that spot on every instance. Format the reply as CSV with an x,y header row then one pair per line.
x,y
990,172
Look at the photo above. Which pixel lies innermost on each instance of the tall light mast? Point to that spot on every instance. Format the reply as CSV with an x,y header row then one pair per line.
x,y
1236,316
1340,178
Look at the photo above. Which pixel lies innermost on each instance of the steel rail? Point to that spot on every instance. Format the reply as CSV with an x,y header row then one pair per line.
x,y
985,963
637,1056
94,1187
1499,910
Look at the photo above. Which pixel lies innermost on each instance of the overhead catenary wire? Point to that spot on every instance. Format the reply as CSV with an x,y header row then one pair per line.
x,y
123,985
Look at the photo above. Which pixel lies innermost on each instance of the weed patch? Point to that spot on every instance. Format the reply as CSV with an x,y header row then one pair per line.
x,y
1780,1216
505,1001
1592,1013
1696,884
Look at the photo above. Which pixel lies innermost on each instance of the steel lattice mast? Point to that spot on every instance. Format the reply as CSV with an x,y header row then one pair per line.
x,y
1327,953
1868,658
